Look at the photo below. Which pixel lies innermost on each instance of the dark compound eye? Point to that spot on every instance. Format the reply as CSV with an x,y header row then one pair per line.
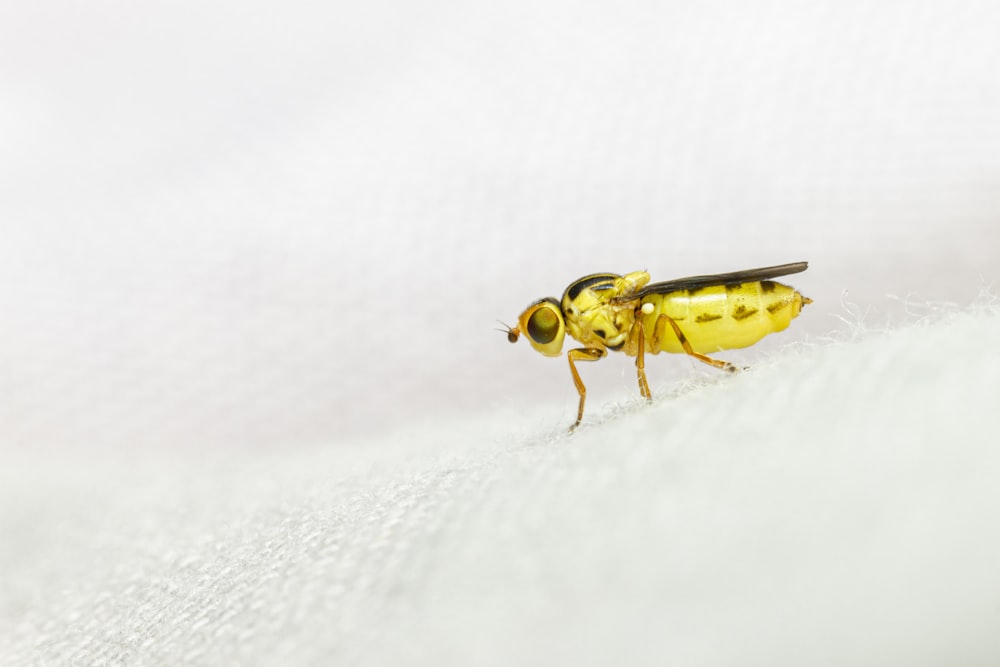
x,y
543,325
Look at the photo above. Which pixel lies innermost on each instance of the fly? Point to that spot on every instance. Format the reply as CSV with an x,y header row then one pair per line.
x,y
696,316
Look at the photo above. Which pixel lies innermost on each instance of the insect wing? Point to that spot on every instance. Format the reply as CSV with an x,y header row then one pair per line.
x,y
734,278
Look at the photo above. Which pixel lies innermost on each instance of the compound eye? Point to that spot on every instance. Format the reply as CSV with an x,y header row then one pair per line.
x,y
543,325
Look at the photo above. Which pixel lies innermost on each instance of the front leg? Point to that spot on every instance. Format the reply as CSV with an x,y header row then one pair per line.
x,y
581,354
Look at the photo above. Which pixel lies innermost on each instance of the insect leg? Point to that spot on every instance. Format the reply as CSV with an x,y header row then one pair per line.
x,y
640,357
718,363
581,354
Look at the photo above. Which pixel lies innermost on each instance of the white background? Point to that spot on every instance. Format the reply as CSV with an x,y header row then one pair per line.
x,y
261,230
280,223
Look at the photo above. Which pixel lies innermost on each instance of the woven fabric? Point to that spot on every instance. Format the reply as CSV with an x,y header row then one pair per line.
x,y
798,511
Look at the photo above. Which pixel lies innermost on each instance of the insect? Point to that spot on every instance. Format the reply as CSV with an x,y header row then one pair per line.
x,y
695,315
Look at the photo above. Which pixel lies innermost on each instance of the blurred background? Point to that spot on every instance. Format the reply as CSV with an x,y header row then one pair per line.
x,y
259,225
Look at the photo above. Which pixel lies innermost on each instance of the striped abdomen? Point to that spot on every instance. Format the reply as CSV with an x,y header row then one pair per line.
x,y
720,317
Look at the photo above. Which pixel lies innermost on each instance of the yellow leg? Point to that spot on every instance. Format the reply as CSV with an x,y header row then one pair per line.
x,y
581,354
660,329
640,358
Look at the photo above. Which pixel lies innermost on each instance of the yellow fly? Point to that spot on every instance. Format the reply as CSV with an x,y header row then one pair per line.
x,y
695,315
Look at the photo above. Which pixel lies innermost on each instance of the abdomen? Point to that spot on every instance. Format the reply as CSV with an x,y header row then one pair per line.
x,y
721,317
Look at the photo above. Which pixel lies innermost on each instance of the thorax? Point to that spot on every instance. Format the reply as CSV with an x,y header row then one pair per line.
x,y
595,311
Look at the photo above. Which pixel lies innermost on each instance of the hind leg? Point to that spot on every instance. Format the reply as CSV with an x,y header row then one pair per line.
x,y
660,330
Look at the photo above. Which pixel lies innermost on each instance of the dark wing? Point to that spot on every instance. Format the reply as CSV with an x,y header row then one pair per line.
x,y
734,278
